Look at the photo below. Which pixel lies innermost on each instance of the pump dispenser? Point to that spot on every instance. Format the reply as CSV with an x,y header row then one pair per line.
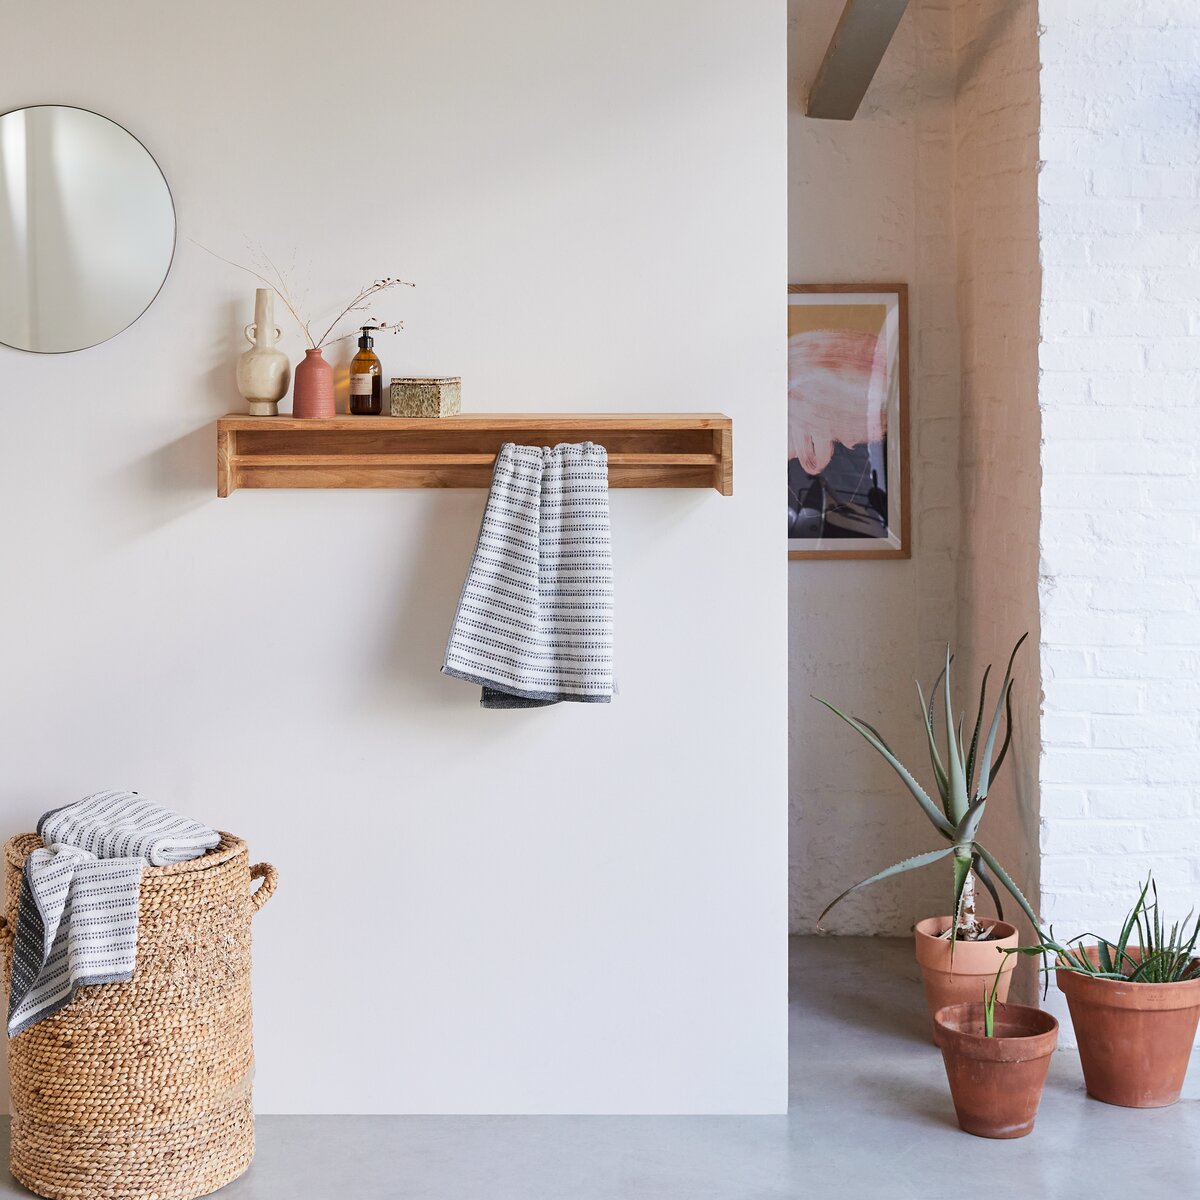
x,y
366,377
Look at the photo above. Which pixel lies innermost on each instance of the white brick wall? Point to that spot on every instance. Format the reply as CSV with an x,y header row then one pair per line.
x,y
1120,384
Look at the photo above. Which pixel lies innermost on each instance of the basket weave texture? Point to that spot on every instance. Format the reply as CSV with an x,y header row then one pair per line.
x,y
142,1090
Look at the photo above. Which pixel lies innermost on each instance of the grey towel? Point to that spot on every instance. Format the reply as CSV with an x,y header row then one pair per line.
x,y
534,624
78,907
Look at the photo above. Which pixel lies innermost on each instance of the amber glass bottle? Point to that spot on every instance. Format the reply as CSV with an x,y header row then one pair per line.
x,y
366,378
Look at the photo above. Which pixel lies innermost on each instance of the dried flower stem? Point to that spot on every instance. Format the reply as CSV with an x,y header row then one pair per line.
x,y
359,304
279,286
280,292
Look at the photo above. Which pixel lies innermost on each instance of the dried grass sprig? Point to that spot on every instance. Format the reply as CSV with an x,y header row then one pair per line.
x,y
380,327
360,303
277,282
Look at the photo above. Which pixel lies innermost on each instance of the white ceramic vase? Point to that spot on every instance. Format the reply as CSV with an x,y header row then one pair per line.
x,y
263,372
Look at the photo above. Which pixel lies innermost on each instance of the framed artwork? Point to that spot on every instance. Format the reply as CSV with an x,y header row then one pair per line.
x,y
847,455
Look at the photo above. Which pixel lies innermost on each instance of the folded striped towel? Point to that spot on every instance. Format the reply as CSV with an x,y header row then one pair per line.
x,y
535,622
78,907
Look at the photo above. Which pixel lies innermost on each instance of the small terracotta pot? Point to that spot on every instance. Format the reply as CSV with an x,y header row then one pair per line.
x,y
996,1082
1135,1039
312,393
969,977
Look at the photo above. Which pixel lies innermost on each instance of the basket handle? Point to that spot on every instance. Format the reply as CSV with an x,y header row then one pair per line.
x,y
264,891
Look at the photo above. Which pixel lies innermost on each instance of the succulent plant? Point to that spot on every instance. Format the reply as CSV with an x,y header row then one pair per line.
x,y
1155,954
964,776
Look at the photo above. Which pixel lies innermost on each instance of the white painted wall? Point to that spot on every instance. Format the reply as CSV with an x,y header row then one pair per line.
x,y
870,201
1120,398
574,910
996,224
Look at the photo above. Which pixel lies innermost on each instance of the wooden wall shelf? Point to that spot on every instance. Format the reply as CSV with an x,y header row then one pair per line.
x,y
659,450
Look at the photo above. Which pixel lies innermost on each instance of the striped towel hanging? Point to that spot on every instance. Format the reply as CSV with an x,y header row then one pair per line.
x,y
534,624
77,912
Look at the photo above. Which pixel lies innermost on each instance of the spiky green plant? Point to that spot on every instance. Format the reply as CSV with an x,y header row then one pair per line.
x,y
991,995
964,777
1162,955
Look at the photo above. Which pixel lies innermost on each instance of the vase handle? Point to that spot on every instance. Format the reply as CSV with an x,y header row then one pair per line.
x,y
249,335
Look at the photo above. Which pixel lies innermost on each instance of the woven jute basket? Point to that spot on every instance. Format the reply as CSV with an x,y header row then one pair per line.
x,y
141,1090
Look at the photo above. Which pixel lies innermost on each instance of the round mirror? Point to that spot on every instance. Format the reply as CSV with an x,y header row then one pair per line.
x,y
87,229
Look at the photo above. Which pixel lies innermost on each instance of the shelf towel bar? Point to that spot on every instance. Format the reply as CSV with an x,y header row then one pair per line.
x,y
655,450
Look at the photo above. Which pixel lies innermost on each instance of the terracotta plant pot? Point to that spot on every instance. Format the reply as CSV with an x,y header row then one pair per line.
x,y
996,1082
1135,1039
969,978
312,394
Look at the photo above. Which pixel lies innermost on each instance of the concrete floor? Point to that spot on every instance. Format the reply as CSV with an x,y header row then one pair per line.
x,y
870,1117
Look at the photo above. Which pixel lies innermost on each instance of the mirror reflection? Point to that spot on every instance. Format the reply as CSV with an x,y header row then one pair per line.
x,y
87,229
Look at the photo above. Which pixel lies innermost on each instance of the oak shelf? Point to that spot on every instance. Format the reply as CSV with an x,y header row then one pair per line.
x,y
659,450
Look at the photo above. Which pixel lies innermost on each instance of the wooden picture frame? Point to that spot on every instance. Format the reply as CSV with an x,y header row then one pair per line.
x,y
848,437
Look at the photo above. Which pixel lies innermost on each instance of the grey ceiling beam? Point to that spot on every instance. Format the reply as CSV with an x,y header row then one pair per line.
x,y
862,35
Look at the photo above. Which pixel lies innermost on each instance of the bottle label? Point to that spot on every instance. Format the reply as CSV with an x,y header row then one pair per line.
x,y
360,385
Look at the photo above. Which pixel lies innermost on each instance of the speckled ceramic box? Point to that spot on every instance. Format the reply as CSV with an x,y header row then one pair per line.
x,y
426,397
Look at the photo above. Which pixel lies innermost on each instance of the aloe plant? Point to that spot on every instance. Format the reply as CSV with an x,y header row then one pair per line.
x,y
964,776
1163,955
992,994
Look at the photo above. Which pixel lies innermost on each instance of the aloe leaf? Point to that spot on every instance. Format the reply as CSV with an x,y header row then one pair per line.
x,y
985,762
1190,946
918,792
908,864
984,878
1187,947
1119,954
935,758
1130,922
1010,886
991,996
1154,968
1078,961
875,732
1008,731
933,694
975,735
967,828
954,767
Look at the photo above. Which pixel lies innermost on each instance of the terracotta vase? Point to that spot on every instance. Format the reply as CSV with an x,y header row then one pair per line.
x,y
996,1082
969,976
1135,1039
312,395
263,372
